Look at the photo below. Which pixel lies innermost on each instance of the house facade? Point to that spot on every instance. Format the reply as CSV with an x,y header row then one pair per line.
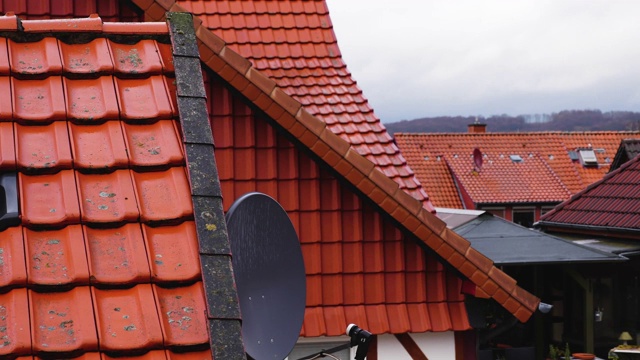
x,y
605,216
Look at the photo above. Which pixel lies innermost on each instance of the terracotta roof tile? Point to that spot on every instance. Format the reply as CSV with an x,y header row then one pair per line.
x,y
546,173
93,266
116,255
14,322
298,50
91,100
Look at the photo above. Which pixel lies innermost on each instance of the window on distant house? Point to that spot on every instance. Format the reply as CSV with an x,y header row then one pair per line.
x,y
303,349
524,217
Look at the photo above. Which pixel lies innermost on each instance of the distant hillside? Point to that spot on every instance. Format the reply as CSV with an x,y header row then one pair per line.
x,y
568,120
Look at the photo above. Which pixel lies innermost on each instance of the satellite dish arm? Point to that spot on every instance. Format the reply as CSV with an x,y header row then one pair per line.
x,y
328,353
359,337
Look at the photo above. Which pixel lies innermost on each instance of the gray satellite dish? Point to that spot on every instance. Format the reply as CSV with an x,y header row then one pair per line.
x,y
269,271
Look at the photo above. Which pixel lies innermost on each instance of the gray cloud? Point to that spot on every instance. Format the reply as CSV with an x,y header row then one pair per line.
x,y
425,58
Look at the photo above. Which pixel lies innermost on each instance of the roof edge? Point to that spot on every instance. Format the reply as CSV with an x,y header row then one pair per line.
x,y
223,306
312,133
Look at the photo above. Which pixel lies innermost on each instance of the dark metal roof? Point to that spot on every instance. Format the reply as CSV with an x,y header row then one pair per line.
x,y
629,149
507,243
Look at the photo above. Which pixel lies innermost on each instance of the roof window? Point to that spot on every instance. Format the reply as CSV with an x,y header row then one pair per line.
x,y
573,155
588,157
515,158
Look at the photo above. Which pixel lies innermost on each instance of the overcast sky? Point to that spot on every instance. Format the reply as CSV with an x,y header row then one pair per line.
x,y
416,58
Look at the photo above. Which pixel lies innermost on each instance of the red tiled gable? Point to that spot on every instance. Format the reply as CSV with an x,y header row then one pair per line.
x,y
293,43
93,266
607,206
310,133
545,161
360,268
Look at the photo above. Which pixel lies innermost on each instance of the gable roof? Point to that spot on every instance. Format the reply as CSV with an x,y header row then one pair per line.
x,y
90,264
315,136
609,206
545,174
627,150
507,243
293,44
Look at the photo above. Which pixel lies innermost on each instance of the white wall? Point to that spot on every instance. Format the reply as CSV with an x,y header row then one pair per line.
x,y
437,346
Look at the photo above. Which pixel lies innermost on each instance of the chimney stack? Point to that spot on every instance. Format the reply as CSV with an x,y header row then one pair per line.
x,y
477,127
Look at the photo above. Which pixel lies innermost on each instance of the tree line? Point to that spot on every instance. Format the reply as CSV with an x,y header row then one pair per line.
x,y
567,120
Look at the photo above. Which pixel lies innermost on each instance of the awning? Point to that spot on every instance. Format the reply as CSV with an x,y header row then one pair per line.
x,y
507,243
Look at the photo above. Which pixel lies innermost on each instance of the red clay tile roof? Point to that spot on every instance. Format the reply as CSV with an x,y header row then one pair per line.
x,y
293,43
310,133
546,173
93,266
611,205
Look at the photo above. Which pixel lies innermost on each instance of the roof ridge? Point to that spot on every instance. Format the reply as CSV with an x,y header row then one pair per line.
x,y
92,23
311,132
590,187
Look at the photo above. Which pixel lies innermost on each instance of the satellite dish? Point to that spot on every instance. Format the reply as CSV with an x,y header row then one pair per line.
x,y
477,158
269,272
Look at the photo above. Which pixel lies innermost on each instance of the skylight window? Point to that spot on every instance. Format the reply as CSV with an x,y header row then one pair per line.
x,y
515,158
588,157
573,155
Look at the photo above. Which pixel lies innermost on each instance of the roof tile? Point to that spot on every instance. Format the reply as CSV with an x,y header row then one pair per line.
x,y
56,257
14,317
35,58
88,58
6,111
38,100
125,320
14,270
154,190
182,315
141,57
143,99
98,147
154,144
91,99
106,198
44,148
63,322
49,199
116,255
173,261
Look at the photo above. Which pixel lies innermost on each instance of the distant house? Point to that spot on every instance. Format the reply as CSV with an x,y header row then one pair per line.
x,y
605,216
517,176
287,120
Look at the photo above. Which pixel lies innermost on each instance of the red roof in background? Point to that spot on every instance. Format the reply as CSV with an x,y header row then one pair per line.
x,y
93,267
293,43
609,205
546,173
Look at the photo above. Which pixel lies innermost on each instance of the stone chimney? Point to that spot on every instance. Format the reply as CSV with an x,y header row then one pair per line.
x,y
477,127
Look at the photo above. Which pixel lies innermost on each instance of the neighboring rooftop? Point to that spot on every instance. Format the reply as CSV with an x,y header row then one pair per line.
x,y
610,206
507,243
628,149
516,167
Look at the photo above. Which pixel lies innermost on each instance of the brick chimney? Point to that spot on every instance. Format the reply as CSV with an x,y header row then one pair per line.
x,y
477,128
